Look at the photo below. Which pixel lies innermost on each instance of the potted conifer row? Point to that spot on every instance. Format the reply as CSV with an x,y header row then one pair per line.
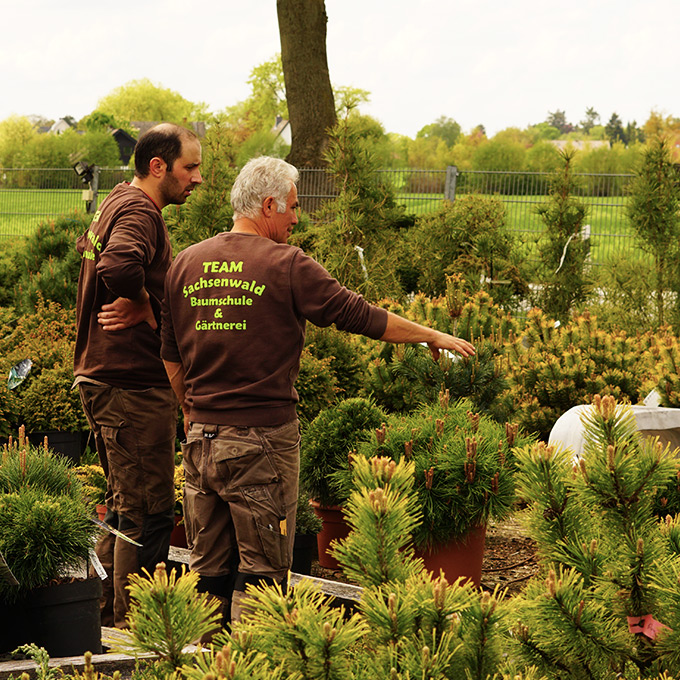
x,y
46,533
464,476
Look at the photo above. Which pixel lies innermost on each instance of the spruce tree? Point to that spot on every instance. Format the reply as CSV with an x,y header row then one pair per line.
x,y
653,213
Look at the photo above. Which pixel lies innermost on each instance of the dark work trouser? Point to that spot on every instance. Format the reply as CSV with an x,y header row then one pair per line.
x,y
135,437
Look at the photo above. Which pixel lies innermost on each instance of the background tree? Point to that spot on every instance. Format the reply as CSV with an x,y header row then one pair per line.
x,y
592,118
143,100
563,250
558,119
614,130
543,131
653,212
443,128
311,108
15,133
266,101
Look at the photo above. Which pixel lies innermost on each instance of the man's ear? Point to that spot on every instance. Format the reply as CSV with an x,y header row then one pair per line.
x,y
157,167
268,206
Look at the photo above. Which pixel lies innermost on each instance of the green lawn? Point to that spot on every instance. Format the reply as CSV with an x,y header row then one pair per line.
x,y
22,209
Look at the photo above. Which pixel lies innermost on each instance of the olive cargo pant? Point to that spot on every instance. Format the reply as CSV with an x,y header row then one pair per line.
x,y
135,433
240,501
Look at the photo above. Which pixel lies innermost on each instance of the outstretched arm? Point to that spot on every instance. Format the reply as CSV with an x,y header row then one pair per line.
x,y
401,330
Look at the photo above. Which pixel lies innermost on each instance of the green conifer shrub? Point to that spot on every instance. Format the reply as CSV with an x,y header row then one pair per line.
x,y
49,264
468,237
45,524
550,369
327,442
653,211
356,234
46,336
464,467
563,250
403,377
606,559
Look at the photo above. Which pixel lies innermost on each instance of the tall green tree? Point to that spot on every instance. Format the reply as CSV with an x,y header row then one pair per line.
x,y
443,128
564,249
15,133
267,100
653,212
144,100
614,130
592,118
558,119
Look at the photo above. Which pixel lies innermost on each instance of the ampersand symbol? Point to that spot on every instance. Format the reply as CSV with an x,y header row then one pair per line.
x,y
218,313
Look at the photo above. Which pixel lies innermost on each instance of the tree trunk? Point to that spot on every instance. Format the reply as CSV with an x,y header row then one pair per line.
x,y
311,107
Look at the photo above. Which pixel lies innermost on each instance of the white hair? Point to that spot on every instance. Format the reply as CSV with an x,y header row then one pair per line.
x,y
262,177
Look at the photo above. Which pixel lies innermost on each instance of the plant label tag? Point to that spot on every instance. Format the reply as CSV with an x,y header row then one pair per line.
x,y
652,627
113,531
645,625
98,566
6,573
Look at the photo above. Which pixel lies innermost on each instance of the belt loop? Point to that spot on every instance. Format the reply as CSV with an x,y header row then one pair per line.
x,y
210,431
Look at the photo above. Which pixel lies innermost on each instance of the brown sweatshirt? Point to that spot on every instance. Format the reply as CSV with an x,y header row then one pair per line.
x,y
125,249
234,316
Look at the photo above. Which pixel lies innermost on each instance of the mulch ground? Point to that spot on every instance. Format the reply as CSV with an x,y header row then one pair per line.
x,y
509,559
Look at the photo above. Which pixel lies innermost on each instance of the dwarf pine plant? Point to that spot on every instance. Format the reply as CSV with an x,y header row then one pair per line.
x,y
166,614
551,368
607,600
409,623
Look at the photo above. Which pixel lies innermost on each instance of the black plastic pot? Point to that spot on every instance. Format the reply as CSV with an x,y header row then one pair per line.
x,y
63,618
304,552
71,445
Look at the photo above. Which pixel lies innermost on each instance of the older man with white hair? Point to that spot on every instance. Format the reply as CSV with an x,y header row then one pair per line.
x,y
233,330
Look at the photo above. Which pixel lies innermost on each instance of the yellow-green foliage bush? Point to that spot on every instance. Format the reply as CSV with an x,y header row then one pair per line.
x,y
550,369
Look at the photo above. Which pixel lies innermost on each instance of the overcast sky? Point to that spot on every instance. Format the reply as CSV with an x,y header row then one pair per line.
x,y
500,63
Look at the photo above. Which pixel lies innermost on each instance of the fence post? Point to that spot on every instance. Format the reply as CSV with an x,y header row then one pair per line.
x,y
94,187
450,186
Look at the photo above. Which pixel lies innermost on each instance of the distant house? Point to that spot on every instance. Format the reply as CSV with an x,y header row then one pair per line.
x,y
59,126
282,132
579,145
126,144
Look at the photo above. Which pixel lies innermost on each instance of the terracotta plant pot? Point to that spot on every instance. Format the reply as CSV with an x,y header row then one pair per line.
x,y
334,527
462,557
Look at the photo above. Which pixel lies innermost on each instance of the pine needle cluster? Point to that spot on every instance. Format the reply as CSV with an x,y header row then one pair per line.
x,y
463,466
550,368
166,614
608,562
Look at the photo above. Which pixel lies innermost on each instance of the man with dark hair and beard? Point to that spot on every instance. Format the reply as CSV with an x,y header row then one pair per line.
x,y
123,386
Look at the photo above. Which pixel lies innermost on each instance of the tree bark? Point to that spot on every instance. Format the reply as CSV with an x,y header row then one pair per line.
x,y
311,107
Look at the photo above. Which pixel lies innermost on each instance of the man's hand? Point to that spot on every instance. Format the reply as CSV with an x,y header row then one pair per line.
x,y
125,313
451,343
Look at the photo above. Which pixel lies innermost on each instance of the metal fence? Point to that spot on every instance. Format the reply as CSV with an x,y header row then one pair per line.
x,y
421,191
29,196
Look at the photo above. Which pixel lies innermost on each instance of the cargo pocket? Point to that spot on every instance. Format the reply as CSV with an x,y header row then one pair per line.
x,y
243,462
123,471
266,509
